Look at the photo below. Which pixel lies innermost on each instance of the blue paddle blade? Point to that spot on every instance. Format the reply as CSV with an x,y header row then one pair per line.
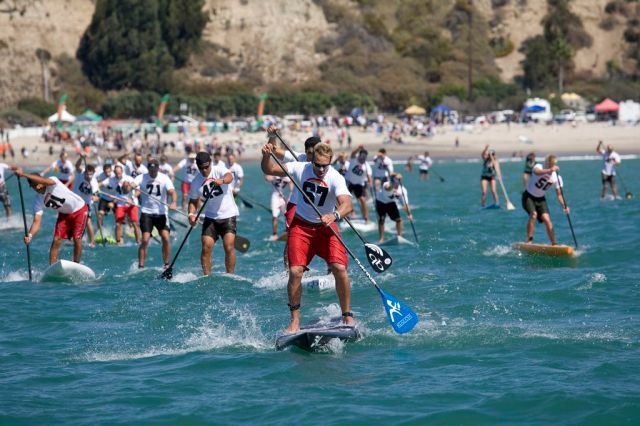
x,y
401,317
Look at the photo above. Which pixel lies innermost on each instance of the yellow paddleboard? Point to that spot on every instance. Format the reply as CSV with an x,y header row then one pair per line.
x,y
544,249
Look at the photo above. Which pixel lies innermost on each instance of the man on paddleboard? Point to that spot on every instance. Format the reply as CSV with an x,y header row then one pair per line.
x,y
387,198
488,176
4,194
220,214
309,235
534,201
610,160
71,208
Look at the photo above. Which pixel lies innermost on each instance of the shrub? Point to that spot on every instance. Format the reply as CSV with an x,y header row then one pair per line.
x,y
37,107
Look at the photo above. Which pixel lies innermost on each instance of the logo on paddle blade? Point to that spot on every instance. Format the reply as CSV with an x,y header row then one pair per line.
x,y
377,257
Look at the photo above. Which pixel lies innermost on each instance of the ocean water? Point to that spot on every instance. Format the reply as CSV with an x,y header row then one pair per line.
x,y
502,338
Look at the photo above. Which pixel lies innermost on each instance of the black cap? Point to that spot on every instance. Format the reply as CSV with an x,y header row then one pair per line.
x,y
311,142
153,164
203,158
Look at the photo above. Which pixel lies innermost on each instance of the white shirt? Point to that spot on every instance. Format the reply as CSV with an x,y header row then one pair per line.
x,y
102,178
85,189
358,173
221,204
238,173
539,184
64,169
341,166
59,198
166,169
425,162
382,167
323,192
288,157
138,170
114,187
609,162
152,190
190,168
387,194
3,168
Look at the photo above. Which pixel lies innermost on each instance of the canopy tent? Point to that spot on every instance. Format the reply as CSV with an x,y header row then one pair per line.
x,y
415,110
65,117
534,108
607,105
89,115
441,108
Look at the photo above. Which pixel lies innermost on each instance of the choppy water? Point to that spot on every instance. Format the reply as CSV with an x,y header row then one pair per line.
x,y
503,338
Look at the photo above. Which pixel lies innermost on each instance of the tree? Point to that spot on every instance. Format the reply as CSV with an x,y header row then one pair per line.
x,y
123,48
182,24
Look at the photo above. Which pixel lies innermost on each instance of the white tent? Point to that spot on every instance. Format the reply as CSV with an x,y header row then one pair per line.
x,y
66,117
629,112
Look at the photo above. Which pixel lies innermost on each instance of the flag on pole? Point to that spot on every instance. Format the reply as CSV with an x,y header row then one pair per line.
x,y
161,108
263,99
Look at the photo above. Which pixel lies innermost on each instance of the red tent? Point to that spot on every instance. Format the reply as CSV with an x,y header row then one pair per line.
x,y
607,106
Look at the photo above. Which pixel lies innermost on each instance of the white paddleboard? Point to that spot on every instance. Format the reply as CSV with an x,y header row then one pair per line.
x,y
359,225
397,240
68,271
314,336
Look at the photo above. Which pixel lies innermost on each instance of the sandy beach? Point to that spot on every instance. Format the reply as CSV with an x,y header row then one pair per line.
x,y
508,141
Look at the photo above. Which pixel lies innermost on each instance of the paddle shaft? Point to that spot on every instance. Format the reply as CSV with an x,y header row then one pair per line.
x,y
26,231
169,270
624,187
496,165
573,234
404,200
437,174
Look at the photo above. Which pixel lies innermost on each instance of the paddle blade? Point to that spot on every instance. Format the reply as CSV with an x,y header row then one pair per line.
x,y
242,244
510,206
628,195
400,316
379,259
167,274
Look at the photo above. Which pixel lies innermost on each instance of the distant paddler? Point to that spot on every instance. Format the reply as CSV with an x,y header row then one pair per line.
x,y
4,194
488,176
534,201
71,208
390,194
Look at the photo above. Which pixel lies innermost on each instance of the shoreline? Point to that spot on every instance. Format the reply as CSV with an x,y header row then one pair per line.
x,y
509,142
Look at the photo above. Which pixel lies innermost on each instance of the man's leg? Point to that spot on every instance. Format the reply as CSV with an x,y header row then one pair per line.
x,y
166,246
343,290
54,250
205,254
228,242
294,292
77,249
546,219
142,248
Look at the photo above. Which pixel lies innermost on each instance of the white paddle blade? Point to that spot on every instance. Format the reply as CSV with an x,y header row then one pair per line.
x,y
400,316
379,259
510,206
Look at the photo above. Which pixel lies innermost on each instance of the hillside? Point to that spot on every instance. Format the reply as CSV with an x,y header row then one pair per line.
x,y
273,40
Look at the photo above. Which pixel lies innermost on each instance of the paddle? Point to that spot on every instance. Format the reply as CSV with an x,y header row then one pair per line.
x,y
400,316
167,274
26,231
440,177
245,202
627,194
410,216
573,234
496,165
377,257
104,241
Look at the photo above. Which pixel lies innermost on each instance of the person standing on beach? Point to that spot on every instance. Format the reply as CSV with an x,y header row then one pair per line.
x,y
488,176
387,198
529,162
309,235
534,201
72,213
154,188
63,169
610,159
221,212
4,194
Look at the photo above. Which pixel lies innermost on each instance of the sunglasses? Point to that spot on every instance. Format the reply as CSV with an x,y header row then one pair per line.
x,y
321,166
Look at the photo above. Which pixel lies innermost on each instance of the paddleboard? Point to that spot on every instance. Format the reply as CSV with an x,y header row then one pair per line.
x,y
321,282
104,240
397,240
544,249
360,225
491,207
314,336
68,271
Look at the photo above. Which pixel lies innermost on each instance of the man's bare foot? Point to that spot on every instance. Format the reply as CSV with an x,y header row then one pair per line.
x,y
347,318
294,327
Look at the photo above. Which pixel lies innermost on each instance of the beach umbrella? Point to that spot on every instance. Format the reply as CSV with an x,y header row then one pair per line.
x,y
65,116
441,108
89,115
415,110
534,108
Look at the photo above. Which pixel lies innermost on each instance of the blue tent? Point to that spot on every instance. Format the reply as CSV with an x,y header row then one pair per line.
x,y
441,108
534,108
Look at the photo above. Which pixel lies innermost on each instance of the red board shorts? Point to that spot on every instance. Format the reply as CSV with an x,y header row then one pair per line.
x,y
128,210
307,240
71,226
289,214
185,187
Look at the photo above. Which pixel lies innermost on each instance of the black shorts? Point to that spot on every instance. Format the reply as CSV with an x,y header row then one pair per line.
x,y
4,197
534,204
357,190
149,221
608,178
390,209
423,172
215,228
103,206
487,178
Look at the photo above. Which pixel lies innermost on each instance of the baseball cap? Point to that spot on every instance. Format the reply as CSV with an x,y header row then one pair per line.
x,y
192,155
153,164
